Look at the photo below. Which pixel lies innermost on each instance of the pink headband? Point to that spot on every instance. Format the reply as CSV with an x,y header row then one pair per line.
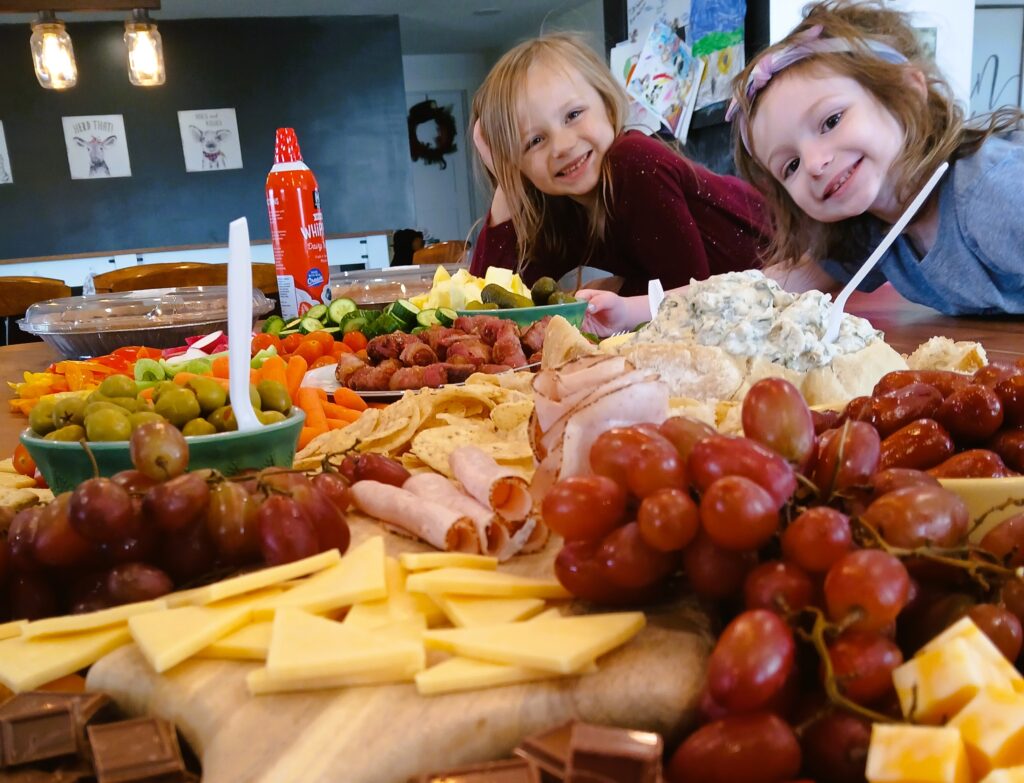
x,y
805,44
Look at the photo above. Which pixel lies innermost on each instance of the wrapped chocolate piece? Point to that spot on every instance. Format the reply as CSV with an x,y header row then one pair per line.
x,y
141,749
602,754
512,771
41,725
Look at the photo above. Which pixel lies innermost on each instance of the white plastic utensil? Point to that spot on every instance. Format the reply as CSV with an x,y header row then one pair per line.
x,y
655,296
240,323
835,315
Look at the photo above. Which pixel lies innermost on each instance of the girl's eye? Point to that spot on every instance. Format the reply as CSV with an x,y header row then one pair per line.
x,y
574,114
832,121
791,168
533,142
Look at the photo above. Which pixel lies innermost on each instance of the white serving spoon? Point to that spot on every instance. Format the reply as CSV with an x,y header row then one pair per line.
x,y
835,315
240,323
655,296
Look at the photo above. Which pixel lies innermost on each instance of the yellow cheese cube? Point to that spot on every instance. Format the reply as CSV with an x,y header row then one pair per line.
x,y
992,726
249,643
426,561
470,581
935,685
75,623
499,276
468,612
564,645
966,629
1009,775
440,275
916,754
28,663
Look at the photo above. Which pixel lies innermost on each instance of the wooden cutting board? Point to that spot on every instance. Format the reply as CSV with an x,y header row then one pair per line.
x,y
384,734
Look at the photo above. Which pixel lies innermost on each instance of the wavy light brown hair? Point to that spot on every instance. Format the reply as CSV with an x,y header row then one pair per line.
x,y
934,125
539,219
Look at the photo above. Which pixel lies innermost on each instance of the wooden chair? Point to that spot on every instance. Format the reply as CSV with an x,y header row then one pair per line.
x,y
18,293
173,275
453,252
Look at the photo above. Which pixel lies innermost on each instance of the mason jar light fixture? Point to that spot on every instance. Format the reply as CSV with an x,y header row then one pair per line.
x,y
52,53
145,50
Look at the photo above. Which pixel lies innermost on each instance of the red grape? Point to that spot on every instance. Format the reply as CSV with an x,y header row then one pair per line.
x,y
751,661
631,563
1006,541
715,572
102,511
21,538
131,582
331,526
377,467
642,461
286,533
668,519
31,597
583,574
176,504
847,456
835,748
1001,626
56,542
824,420
775,415
918,515
584,507
817,538
684,432
133,481
335,488
159,450
757,748
777,586
231,522
186,553
863,664
1011,596
871,583
895,478
738,513
718,456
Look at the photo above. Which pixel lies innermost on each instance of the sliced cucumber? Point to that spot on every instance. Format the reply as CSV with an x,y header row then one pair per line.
x,y
273,325
294,324
418,329
308,325
405,311
319,312
357,324
386,324
340,308
427,317
446,316
286,332
331,329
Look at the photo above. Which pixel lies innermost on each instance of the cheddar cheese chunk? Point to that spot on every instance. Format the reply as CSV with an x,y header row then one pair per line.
x,y
1010,775
992,726
966,629
916,754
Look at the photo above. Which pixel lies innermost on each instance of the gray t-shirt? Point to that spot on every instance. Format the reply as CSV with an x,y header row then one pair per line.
x,y
976,265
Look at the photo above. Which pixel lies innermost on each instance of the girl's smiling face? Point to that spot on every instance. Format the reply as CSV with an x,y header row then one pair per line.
x,y
564,131
831,145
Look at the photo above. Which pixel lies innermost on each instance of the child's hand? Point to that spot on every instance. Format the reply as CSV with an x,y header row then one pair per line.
x,y
608,313
482,147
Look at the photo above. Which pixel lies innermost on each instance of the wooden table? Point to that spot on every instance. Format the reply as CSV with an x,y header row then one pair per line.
x,y
906,326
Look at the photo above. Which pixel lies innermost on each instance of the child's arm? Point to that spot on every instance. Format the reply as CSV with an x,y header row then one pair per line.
x,y
804,276
608,313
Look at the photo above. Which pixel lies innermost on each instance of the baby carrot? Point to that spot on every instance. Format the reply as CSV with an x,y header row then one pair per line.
x,y
321,393
219,367
307,434
334,411
311,403
349,399
274,370
337,424
294,372
182,378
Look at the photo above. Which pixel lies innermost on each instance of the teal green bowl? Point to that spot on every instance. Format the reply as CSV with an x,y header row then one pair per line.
x,y
65,465
572,312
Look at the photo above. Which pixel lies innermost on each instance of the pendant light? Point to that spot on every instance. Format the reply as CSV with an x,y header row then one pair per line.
x,y
145,50
52,53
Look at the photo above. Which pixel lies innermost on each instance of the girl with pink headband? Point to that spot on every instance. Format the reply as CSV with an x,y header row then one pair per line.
x,y
840,124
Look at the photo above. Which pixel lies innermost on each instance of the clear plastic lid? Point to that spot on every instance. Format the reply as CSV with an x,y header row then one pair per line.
x,y
153,308
382,286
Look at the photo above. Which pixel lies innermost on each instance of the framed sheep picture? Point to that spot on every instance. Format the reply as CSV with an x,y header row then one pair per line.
x,y
209,139
97,146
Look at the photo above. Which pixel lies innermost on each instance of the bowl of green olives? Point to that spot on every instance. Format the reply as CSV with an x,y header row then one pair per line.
x,y
200,408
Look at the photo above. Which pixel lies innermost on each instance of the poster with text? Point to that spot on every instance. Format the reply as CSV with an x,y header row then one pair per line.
x,y
666,78
6,177
209,139
97,146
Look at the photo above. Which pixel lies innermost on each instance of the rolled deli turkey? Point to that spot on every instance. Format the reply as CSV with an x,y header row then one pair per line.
x,y
496,486
441,527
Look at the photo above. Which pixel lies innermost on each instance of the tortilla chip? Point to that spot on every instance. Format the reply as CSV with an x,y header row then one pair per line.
x,y
509,415
563,343
435,445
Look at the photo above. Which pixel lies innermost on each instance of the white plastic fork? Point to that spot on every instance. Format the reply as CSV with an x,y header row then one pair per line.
x,y
835,315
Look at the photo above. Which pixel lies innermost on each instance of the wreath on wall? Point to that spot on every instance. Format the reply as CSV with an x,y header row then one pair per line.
x,y
444,141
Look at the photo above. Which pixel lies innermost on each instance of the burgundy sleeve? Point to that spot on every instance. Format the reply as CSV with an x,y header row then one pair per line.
x,y
495,246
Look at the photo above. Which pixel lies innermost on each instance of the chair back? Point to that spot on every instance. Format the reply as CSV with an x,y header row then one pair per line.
x,y
453,252
176,275
18,293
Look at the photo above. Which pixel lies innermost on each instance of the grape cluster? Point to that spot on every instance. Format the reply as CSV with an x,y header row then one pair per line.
x,y
145,531
831,567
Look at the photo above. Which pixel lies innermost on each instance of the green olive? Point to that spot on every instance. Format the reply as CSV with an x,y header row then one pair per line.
x,y
92,407
223,419
108,424
118,386
162,387
95,396
130,404
270,417
210,394
198,427
68,410
139,418
40,418
70,432
178,406
274,396
254,398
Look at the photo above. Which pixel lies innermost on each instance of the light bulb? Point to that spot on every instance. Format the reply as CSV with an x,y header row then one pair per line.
x,y
53,56
145,51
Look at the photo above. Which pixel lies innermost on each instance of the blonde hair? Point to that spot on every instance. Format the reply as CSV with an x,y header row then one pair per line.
x,y
933,124
538,218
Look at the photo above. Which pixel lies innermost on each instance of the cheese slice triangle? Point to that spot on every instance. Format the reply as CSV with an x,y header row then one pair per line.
x,y
425,561
11,629
470,581
359,576
469,612
265,577
304,646
467,674
259,681
248,643
563,645
399,605
76,623
29,663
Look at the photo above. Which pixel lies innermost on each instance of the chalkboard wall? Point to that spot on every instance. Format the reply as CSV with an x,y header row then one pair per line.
x,y
338,81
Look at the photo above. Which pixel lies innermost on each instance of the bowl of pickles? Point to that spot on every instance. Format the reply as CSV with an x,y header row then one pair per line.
x,y
545,299
200,407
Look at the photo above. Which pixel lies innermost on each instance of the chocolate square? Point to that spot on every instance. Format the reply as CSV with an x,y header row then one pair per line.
x,y
44,732
141,749
549,751
511,771
604,754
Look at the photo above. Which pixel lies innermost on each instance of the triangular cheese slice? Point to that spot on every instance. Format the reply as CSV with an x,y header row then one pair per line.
x,y
76,623
562,645
469,581
12,629
249,643
304,646
426,561
467,674
265,577
359,576
469,612
29,663
260,682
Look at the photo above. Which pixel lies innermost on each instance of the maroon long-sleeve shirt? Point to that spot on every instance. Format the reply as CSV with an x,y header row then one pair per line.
x,y
671,219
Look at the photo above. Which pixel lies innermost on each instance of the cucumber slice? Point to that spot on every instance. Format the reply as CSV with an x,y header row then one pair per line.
x,y
340,308
273,325
418,329
427,317
386,324
405,311
308,325
287,332
319,312
294,324
356,324
331,329
446,316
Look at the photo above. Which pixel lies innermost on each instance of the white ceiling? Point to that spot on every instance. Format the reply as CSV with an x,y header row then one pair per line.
x,y
427,26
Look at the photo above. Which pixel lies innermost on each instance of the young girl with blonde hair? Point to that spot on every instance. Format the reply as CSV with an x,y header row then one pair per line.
x,y
840,124
573,187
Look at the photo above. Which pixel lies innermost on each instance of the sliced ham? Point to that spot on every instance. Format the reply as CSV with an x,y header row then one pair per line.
x,y
441,527
556,394
496,486
440,489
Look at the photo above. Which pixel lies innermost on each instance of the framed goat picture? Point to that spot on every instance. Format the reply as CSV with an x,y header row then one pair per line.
x,y
209,139
97,146
6,177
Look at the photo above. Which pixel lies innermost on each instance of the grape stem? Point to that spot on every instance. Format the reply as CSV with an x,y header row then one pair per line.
x,y
92,458
1011,503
